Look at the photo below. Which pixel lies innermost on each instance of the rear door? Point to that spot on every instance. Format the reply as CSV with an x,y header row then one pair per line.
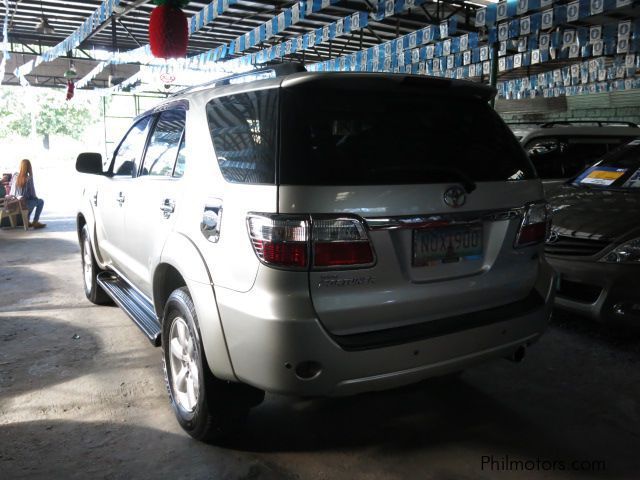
x,y
435,177
238,177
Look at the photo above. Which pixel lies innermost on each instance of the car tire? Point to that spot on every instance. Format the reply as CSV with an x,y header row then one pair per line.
x,y
90,271
207,408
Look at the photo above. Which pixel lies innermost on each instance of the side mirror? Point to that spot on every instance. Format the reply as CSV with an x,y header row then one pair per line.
x,y
89,162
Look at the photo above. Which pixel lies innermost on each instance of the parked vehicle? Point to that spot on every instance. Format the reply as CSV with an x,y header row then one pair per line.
x,y
317,234
561,150
595,239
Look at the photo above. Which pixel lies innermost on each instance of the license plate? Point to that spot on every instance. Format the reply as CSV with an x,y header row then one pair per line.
x,y
434,246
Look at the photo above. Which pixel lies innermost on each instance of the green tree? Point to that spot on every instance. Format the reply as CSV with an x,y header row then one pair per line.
x,y
14,117
53,114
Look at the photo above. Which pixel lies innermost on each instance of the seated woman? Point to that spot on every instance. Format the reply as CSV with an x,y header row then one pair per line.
x,y
22,186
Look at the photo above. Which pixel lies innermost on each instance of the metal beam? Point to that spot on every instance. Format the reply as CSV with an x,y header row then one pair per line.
x,y
378,37
106,23
128,32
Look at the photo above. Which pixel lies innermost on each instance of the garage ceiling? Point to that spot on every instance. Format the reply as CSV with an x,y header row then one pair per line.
x,y
128,30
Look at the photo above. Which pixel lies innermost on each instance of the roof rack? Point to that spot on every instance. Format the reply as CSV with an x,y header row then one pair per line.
x,y
599,123
272,71
524,122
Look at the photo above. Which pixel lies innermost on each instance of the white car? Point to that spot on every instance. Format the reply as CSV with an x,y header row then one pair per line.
x,y
317,234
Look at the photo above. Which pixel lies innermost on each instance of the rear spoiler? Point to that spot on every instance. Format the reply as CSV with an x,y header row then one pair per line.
x,y
385,81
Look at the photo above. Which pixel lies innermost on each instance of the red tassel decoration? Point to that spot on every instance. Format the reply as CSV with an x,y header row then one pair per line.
x,y
71,88
168,29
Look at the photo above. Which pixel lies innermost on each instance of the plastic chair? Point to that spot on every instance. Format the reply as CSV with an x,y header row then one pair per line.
x,y
11,207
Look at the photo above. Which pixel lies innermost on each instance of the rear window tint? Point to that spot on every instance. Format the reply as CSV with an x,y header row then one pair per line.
x,y
243,129
356,137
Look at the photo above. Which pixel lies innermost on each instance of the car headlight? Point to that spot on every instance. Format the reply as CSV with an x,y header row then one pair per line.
x,y
627,252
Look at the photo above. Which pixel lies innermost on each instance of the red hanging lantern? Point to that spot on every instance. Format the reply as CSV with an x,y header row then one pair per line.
x,y
168,29
71,89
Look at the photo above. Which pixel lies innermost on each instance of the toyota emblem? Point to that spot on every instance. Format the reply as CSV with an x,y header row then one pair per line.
x,y
553,237
455,197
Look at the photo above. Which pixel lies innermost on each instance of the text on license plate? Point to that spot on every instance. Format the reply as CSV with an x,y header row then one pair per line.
x,y
432,246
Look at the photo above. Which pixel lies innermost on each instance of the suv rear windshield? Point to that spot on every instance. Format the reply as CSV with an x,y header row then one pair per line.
x,y
618,170
376,137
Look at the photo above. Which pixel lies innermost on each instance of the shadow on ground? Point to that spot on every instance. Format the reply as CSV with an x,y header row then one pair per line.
x,y
437,415
81,450
37,352
60,224
619,337
28,247
55,224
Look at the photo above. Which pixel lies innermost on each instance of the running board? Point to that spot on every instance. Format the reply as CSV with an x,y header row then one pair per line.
x,y
138,307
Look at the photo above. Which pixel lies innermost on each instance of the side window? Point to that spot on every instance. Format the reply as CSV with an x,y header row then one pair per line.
x,y
130,149
162,151
243,129
546,155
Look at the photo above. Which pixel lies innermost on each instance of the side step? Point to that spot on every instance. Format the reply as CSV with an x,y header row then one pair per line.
x,y
138,307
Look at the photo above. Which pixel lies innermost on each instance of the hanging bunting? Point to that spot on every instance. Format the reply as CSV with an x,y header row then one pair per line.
x,y
72,41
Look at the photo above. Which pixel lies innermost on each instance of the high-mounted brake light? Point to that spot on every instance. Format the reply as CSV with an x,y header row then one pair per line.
x,y
535,225
322,242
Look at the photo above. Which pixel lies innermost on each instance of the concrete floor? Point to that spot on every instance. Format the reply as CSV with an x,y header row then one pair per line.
x,y
82,396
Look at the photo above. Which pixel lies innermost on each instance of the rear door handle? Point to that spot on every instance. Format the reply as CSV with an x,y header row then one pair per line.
x,y
168,206
120,199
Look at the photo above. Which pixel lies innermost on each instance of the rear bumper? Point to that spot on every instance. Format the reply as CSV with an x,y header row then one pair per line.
x,y
602,291
270,337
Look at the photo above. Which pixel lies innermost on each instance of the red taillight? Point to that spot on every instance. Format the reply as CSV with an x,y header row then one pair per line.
x,y
534,226
286,241
280,240
285,254
340,242
342,254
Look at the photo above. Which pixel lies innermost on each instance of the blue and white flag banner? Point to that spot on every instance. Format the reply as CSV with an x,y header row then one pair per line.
x,y
592,76
343,26
205,16
501,28
141,55
206,60
264,32
208,14
120,87
394,55
388,8
72,41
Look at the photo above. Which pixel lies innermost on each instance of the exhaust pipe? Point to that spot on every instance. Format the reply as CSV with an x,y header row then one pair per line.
x,y
518,355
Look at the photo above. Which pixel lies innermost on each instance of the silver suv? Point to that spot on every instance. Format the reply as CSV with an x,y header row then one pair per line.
x,y
317,234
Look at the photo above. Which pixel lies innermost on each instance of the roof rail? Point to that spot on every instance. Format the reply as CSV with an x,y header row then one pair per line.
x,y
272,71
599,123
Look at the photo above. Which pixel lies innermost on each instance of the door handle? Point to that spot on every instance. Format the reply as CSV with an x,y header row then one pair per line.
x,y
121,198
168,206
